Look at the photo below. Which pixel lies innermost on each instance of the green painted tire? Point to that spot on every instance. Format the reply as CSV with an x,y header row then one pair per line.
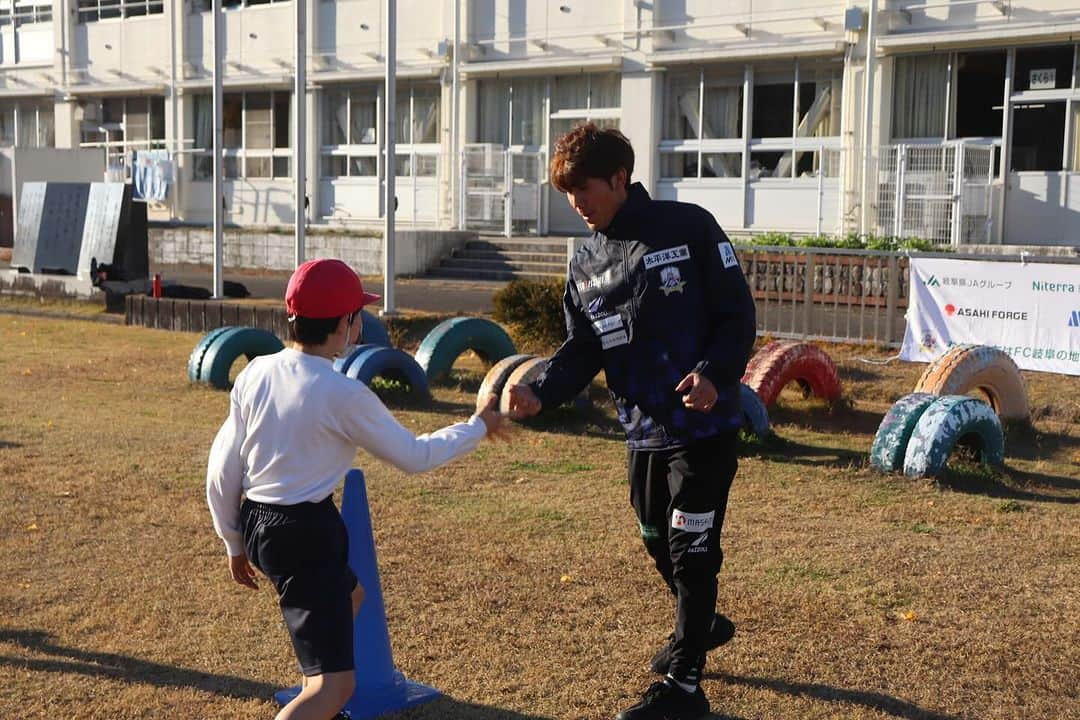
x,y
950,420
450,338
894,432
227,347
195,361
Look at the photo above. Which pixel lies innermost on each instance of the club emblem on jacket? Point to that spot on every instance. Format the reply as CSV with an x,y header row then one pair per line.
x,y
671,280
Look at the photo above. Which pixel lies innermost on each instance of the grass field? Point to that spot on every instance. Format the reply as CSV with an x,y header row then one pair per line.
x,y
514,580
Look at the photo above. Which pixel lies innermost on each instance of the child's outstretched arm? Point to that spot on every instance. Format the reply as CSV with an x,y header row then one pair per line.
x,y
373,428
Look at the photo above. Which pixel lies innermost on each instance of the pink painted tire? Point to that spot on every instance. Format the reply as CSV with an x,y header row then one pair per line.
x,y
785,361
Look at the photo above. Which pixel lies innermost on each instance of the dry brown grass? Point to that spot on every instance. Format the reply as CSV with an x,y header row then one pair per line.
x,y
856,595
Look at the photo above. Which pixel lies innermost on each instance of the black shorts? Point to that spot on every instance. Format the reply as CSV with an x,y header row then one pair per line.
x,y
304,551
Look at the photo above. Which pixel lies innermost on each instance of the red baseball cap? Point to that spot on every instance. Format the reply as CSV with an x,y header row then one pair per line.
x,y
325,288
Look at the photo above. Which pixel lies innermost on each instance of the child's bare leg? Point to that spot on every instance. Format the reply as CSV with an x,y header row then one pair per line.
x,y
322,697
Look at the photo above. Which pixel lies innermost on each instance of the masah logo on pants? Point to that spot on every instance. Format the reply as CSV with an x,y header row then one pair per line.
x,y
692,522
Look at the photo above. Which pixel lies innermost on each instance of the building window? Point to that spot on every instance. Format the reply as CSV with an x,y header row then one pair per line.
x,y
26,32
1044,68
27,123
93,10
208,5
24,13
256,133
920,87
512,112
120,126
352,135
794,122
1038,139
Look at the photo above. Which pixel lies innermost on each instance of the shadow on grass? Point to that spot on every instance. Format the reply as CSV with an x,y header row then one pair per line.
x,y
880,702
7,445
123,668
841,417
450,709
779,449
1007,483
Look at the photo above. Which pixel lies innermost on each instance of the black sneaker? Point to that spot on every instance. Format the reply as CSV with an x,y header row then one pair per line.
x,y
665,701
722,631
343,715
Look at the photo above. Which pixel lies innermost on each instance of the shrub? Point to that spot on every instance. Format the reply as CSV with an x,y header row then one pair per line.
x,y
533,311
772,238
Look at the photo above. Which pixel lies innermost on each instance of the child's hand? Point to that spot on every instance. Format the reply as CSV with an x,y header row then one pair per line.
x,y
493,419
242,572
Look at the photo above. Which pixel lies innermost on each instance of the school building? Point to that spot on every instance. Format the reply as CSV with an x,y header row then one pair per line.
x,y
954,121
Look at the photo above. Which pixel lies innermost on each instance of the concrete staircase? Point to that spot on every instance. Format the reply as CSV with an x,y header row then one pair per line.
x,y
499,258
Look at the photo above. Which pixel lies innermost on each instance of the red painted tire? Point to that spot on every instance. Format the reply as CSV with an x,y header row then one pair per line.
x,y
785,361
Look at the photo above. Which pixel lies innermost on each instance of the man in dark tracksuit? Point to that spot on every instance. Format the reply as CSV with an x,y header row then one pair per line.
x,y
656,298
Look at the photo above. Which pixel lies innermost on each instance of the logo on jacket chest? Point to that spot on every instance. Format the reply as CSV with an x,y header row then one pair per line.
x,y
671,280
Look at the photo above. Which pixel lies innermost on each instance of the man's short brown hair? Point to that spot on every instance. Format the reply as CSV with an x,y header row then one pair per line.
x,y
589,152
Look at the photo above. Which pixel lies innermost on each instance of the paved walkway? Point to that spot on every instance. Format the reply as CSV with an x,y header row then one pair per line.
x,y
438,295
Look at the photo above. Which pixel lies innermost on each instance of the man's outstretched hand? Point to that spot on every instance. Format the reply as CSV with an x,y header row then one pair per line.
x,y
523,402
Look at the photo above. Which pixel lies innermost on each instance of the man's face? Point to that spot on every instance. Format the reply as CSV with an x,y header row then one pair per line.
x,y
598,200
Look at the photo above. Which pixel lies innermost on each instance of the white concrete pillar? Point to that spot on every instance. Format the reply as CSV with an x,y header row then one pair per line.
x,y
642,97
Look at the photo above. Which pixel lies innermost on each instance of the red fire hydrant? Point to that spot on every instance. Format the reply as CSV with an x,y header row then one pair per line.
x,y
156,285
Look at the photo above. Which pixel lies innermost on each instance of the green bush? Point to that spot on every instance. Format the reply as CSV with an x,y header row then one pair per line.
x,y
772,238
533,311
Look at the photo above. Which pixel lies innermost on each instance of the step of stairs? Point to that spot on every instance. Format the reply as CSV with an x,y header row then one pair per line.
x,y
498,258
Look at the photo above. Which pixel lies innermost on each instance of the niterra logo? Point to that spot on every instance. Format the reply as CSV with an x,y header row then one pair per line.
x,y
1074,319
985,313
933,281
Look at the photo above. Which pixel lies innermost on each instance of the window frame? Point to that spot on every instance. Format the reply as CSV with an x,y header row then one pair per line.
x,y
235,158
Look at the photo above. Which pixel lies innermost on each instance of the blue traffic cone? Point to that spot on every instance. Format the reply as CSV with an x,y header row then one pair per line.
x,y
380,686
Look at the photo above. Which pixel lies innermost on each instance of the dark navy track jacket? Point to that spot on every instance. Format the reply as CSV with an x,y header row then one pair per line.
x,y
655,296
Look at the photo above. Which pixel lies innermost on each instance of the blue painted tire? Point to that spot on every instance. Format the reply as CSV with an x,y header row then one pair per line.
x,y
949,420
227,347
894,432
393,364
450,338
342,364
195,361
374,330
755,414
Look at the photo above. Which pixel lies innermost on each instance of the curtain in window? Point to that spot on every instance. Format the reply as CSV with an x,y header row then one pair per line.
x,y
682,112
46,136
27,126
1076,138
204,123
363,118
919,96
335,118
425,122
604,90
570,92
528,102
401,117
493,111
722,116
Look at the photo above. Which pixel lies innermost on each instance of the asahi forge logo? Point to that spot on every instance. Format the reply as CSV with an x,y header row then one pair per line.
x,y
985,313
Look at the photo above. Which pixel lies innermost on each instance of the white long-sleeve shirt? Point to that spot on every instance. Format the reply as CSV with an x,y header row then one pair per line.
x,y
292,433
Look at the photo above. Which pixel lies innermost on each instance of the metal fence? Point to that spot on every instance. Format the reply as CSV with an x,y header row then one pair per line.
x,y
940,193
835,295
500,189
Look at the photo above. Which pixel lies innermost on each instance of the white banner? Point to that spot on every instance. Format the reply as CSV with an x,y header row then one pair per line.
x,y
1031,311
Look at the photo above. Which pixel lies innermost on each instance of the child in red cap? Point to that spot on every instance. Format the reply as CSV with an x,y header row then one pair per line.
x,y
293,429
